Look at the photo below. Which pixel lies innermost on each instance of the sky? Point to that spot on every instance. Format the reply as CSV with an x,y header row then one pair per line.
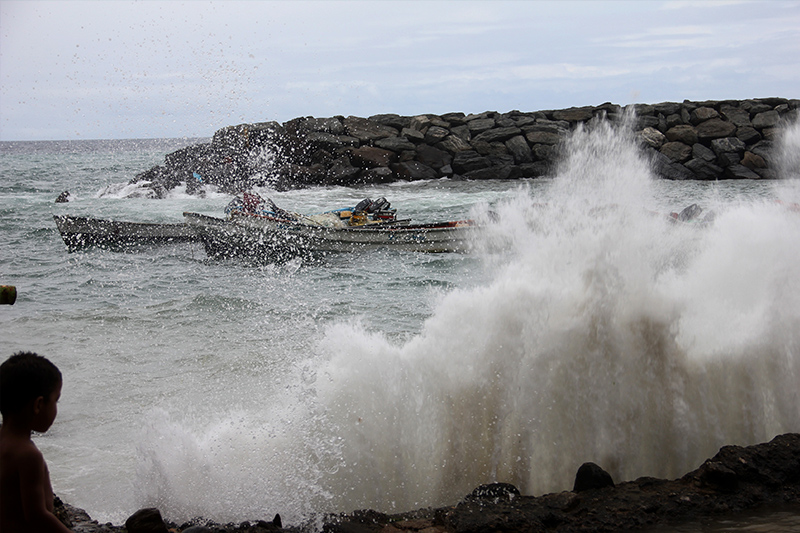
x,y
118,69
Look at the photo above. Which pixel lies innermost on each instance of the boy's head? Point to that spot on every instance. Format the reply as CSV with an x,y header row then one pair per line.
x,y
24,377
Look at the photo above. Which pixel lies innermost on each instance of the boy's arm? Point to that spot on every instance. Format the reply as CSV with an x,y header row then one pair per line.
x,y
33,480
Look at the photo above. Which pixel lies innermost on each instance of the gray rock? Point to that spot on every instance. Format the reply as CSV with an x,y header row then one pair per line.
x,y
372,156
736,115
461,131
414,170
682,133
415,136
704,170
646,121
342,173
667,108
738,171
433,157
326,125
701,114
453,144
489,149
703,152
497,134
728,159
480,125
666,168
454,119
545,152
325,141
753,161
536,169
764,149
644,110
435,134
754,108
653,137
524,120
673,120
715,128
367,130
727,144
767,119
507,172
518,147
574,114
677,151
748,134
392,120
378,175
395,144
468,161
543,137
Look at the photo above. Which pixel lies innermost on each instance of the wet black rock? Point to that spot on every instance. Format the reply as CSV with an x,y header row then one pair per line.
x,y
591,476
146,521
736,479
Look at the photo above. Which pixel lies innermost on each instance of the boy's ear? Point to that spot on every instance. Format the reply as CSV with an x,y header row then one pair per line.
x,y
38,404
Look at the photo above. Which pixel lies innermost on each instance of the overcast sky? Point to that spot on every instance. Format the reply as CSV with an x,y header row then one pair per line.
x,y
146,69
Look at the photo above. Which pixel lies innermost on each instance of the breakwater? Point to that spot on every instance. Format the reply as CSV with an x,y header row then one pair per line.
x,y
710,140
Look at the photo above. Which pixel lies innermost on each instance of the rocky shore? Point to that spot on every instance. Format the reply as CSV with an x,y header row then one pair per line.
x,y
711,140
734,480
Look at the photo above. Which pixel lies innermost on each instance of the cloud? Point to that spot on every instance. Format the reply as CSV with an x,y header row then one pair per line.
x,y
70,67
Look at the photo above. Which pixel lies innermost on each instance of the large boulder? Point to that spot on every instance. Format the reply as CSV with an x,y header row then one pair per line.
x,y
591,477
371,156
715,129
468,161
366,130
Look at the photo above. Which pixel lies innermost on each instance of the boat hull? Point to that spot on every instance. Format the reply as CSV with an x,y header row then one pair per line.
x,y
82,232
271,239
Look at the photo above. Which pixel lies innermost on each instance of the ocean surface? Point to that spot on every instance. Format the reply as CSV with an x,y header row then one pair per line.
x,y
584,326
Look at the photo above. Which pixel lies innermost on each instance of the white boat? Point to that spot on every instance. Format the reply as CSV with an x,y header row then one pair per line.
x,y
274,234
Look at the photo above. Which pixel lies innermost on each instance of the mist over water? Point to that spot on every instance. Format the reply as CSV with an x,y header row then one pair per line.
x,y
604,332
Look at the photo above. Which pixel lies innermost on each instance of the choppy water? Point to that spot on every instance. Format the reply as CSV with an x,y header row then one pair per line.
x,y
583,328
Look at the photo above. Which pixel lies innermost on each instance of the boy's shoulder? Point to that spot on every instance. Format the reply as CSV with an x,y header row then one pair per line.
x,y
18,453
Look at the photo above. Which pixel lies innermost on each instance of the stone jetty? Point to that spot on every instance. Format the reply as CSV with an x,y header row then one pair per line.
x,y
736,479
710,140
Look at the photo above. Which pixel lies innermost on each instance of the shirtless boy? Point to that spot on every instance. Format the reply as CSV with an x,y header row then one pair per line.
x,y
30,387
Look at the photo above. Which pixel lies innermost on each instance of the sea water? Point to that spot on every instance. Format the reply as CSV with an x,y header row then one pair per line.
x,y
586,325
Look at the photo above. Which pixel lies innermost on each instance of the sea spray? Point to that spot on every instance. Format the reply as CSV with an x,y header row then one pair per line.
x,y
608,332
584,348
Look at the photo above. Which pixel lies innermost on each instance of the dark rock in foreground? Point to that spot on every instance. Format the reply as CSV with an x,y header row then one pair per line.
x,y
727,139
735,479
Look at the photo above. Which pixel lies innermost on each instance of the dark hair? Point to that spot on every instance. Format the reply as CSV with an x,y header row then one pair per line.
x,y
24,377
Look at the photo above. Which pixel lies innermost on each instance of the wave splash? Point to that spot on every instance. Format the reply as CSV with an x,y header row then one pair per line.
x,y
609,333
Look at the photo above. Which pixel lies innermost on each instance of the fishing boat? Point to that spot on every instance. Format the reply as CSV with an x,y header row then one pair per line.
x,y
81,232
259,229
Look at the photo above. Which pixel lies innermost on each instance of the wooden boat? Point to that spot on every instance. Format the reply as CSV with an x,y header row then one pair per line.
x,y
277,235
81,232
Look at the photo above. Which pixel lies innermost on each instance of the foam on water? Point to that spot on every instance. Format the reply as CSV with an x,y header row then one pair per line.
x,y
608,334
